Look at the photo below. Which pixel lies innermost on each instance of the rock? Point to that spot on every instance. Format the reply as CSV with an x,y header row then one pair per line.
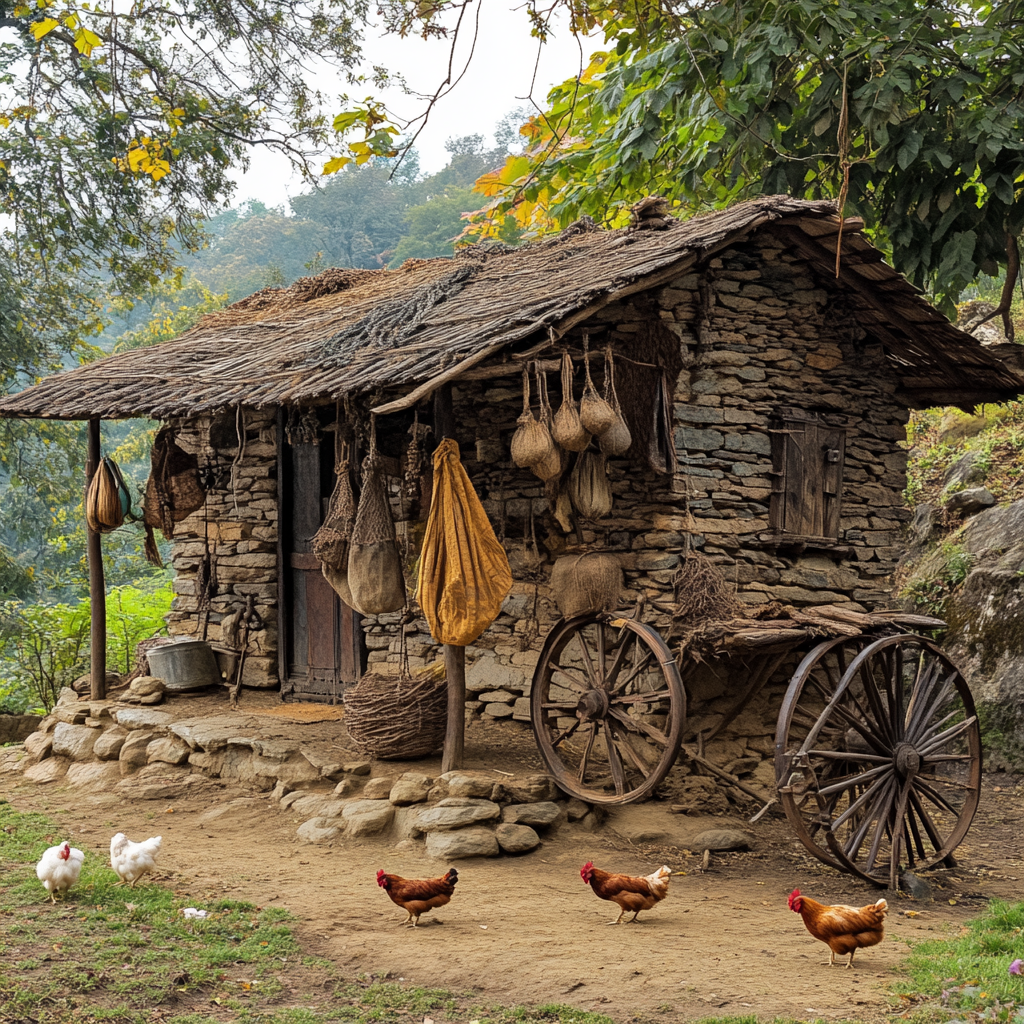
x,y
143,718
976,317
915,887
281,790
645,835
153,698
469,842
71,714
317,830
521,710
367,817
593,819
133,750
720,839
168,749
379,788
83,684
346,787
742,765
15,728
516,838
974,499
316,805
697,794
456,812
38,746
51,770
922,528
471,784
531,789
411,788
497,697
545,813
108,746
329,771
487,674
576,809
357,768
289,798
99,778
145,686
498,710
74,741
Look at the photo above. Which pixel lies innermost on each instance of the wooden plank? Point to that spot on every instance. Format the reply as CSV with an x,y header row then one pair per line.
x,y
834,455
97,587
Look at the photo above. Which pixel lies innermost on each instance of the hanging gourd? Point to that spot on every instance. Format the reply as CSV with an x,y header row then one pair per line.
x,y
567,429
617,438
531,443
589,488
596,414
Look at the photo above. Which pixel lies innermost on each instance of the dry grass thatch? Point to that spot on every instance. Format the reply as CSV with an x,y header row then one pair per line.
x,y
346,332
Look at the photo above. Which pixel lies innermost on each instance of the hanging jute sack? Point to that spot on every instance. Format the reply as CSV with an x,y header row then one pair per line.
x,y
596,414
586,583
617,438
567,429
464,572
589,487
108,501
375,579
551,466
531,443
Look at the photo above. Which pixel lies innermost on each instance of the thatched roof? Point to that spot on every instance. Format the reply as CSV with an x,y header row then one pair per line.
x,y
399,333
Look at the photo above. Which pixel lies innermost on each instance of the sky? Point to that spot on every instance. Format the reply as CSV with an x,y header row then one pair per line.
x,y
498,80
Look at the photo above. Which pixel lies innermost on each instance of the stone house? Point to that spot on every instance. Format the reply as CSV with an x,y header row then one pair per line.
x,y
766,385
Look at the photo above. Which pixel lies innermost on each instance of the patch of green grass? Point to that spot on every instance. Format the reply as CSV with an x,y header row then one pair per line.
x,y
969,972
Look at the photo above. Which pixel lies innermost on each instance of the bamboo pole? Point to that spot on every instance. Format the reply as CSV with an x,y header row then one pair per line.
x,y
97,589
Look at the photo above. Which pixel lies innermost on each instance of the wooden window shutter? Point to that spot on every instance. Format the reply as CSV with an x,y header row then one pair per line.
x,y
808,455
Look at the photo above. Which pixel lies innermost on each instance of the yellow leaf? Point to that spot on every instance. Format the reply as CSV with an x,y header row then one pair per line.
x,y
41,28
86,41
136,158
336,164
71,20
158,169
4,121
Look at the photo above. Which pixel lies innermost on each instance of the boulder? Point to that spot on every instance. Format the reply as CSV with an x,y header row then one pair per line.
x,y
72,714
468,842
315,805
133,751
357,768
317,830
540,814
38,746
379,788
367,817
96,777
83,684
471,784
53,769
280,791
145,686
498,710
720,839
576,809
971,501
516,838
497,697
143,718
455,813
487,674
74,741
168,749
108,746
347,787
531,789
15,728
411,788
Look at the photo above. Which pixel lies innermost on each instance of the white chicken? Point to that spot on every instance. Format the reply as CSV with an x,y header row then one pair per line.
x,y
131,861
58,869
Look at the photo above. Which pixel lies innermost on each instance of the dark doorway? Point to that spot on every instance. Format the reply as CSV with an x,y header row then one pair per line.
x,y
322,638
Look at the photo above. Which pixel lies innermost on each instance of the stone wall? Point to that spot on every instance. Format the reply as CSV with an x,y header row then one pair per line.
x,y
237,529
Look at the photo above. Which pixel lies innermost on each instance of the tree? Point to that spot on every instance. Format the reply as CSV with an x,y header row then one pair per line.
x,y
911,114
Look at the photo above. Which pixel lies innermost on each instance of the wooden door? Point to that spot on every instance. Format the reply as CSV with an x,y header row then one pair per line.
x,y
323,638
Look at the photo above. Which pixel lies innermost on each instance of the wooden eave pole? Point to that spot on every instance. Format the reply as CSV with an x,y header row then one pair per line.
x,y
454,657
97,590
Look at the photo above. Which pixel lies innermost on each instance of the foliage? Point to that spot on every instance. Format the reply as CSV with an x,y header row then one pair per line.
x,y
969,972
134,613
912,112
174,306
931,592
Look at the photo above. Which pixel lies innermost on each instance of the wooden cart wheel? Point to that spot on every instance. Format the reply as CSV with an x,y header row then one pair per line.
x,y
902,726
608,708
811,687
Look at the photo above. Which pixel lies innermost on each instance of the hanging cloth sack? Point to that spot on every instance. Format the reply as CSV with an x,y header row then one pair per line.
x,y
375,577
596,414
589,488
550,467
108,502
567,430
464,573
617,438
531,443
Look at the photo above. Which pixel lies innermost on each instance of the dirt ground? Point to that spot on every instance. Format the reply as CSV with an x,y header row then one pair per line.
x,y
528,930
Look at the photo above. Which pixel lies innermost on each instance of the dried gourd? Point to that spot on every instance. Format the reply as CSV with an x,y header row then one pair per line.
x,y
590,490
567,429
596,414
617,438
531,443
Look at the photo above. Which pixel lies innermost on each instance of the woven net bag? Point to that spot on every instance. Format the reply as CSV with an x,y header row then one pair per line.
x,y
531,443
551,466
397,719
331,541
596,414
617,439
567,430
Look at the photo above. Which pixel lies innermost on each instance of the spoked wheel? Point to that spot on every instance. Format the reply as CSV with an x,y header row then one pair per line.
x,y
892,762
812,686
608,708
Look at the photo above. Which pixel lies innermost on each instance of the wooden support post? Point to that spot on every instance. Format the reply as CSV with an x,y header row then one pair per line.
x,y
454,740
97,590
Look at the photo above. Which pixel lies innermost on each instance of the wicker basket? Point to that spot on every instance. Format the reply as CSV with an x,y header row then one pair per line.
x,y
397,718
